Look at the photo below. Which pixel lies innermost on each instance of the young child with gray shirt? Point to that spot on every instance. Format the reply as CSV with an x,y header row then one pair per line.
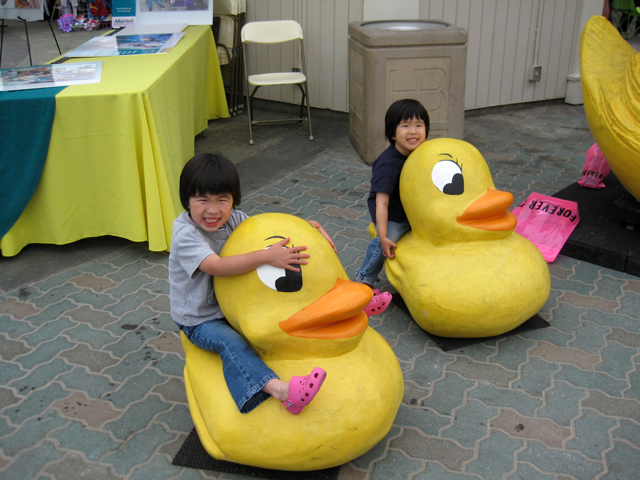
x,y
210,193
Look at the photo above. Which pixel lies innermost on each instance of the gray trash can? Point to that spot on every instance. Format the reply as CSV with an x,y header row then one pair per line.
x,y
392,60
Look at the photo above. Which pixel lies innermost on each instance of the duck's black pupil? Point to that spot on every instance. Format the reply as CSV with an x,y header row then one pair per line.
x,y
291,282
456,187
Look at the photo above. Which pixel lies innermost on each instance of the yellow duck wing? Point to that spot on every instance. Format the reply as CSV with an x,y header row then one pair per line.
x,y
610,75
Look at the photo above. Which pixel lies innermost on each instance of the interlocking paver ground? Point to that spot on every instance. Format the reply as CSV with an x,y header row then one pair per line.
x,y
91,364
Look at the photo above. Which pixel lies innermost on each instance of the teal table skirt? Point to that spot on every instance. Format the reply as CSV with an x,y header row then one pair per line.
x,y
26,119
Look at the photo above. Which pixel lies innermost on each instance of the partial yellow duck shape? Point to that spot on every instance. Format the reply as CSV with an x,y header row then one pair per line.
x,y
296,322
610,77
462,270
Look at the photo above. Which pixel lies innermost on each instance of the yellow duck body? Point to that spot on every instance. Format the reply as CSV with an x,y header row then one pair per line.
x,y
462,270
610,77
322,324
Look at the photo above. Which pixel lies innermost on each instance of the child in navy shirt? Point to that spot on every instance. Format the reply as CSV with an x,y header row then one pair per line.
x,y
406,127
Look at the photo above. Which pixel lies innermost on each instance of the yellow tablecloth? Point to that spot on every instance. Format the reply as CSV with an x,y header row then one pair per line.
x,y
118,147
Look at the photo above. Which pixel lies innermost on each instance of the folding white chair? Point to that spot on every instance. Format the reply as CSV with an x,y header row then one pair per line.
x,y
274,32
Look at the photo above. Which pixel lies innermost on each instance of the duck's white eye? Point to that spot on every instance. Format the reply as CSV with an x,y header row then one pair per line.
x,y
447,177
269,275
280,279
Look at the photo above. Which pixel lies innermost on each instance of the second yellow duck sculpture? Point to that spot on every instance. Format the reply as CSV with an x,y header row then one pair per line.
x,y
296,322
462,270
610,77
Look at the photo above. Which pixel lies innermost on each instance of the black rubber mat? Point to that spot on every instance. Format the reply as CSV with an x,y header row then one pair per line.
x,y
447,344
193,455
609,230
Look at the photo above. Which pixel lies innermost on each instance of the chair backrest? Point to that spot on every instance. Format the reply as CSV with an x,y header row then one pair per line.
x,y
276,31
226,7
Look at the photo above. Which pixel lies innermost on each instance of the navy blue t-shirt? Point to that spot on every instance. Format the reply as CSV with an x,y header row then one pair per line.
x,y
385,178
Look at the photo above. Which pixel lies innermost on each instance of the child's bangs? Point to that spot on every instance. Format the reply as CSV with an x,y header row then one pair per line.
x,y
211,183
416,111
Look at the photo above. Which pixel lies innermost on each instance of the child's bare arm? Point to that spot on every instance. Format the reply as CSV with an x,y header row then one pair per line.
x,y
382,219
276,255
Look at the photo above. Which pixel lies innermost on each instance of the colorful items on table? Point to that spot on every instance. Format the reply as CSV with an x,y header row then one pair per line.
x,y
296,322
66,22
462,270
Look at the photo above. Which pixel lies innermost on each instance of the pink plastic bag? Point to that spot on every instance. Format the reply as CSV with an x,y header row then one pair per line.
x,y
595,169
547,222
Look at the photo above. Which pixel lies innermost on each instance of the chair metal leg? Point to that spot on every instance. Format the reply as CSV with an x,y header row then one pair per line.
x,y
308,110
249,114
229,90
301,102
306,87
239,82
246,87
232,87
233,64
1,39
241,64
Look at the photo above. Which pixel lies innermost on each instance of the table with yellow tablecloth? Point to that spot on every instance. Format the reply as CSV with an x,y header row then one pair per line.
x,y
117,147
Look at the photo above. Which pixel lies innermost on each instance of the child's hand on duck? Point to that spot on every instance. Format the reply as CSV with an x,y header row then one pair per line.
x,y
281,256
387,247
324,233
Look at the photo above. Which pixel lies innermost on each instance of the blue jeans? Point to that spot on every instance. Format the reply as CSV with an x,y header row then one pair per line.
x,y
374,259
244,371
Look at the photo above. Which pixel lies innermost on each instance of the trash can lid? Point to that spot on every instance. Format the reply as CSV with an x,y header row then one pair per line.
x,y
404,26
406,32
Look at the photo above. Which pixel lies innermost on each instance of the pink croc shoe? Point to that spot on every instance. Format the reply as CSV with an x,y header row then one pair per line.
x,y
379,303
303,389
376,291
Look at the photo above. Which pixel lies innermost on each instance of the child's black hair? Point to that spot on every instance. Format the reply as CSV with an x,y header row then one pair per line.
x,y
400,110
208,173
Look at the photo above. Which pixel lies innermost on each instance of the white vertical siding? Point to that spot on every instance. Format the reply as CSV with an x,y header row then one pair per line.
x,y
503,45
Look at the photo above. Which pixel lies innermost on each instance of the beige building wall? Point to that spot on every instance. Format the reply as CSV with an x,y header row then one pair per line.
x,y
506,39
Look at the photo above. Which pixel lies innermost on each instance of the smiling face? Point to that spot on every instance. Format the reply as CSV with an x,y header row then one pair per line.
x,y
409,135
210,212
317,312
449,196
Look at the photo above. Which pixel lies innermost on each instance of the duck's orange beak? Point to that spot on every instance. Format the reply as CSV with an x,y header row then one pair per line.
x,y
490,212
339,313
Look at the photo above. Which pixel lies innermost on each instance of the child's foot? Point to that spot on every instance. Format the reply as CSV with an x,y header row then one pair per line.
x,y
303,389
375,290
379,303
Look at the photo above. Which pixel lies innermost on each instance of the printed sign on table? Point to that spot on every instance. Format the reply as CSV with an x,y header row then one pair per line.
x,y
128,13
44,76
112,45
123,13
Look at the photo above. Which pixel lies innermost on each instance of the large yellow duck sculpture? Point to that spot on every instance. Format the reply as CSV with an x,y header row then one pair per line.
x,y
610,77
296,322
462,270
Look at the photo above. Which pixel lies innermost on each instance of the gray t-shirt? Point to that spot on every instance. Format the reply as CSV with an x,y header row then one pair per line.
x,y
191,294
